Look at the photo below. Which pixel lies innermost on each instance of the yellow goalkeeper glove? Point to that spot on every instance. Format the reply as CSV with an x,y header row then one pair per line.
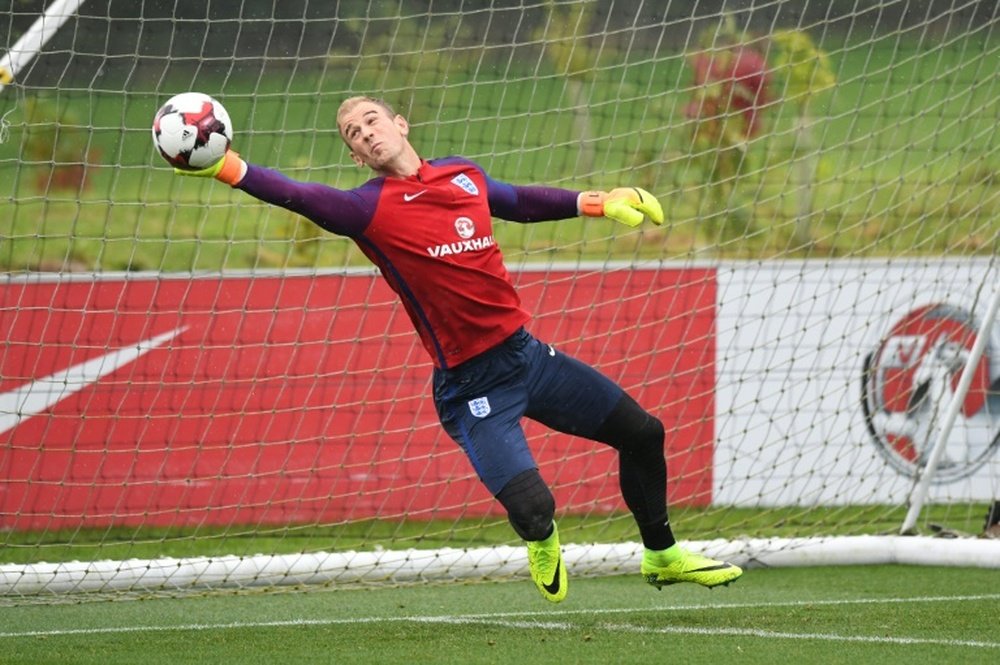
x,y
230,169
627,205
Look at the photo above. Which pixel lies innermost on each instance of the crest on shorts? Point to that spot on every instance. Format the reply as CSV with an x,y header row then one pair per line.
x,y
480,407
465,182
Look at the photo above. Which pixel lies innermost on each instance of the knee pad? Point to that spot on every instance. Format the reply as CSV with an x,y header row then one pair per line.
x,y
530,505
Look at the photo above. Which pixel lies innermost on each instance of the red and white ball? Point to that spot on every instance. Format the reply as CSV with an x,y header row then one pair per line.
x,y
192,131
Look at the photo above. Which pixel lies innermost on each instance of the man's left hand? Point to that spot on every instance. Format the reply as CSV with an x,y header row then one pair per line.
x,y
628,205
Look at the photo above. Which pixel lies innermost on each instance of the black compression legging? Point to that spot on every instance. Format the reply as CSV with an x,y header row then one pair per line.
x,y
638,437
642,470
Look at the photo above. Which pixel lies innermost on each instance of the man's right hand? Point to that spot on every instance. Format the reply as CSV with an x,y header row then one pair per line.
x,y
230,169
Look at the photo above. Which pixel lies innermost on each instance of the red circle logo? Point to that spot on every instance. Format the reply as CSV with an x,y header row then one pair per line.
x,y
910,381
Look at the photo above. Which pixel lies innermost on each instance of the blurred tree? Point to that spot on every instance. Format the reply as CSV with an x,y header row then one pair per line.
x,y
731,91
806,72
563,36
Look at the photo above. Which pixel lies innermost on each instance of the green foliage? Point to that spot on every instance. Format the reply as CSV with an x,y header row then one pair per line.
x,y
563,39
807,73
895,176
730,95
805,68
417,52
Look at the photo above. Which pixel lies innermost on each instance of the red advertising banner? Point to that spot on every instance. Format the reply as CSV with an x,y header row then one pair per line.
x,y
306,399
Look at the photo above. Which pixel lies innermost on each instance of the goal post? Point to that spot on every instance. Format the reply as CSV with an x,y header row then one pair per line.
x,y
199,391
33,40
948,417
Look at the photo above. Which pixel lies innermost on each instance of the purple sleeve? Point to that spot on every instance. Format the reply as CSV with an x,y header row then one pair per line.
x,y
517,203
344,212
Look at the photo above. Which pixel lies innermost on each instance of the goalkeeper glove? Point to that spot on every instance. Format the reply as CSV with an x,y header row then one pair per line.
x,y
230,169
627,205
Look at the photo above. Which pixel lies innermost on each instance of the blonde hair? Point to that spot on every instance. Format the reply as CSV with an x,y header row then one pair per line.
x,y
351,102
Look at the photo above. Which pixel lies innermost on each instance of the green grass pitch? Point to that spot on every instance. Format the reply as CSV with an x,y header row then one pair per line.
x,y
884,614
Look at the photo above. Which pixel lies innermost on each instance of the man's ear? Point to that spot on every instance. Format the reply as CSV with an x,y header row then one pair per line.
x,y
404,126
357,160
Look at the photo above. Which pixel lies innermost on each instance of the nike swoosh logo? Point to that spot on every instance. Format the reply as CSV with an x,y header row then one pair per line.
x,y
721,566
553,586
34,398
410,197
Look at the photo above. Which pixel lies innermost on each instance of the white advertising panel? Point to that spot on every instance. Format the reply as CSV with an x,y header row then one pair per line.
x,y
832,380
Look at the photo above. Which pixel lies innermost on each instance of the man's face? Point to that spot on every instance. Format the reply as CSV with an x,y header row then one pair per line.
x,y
374,137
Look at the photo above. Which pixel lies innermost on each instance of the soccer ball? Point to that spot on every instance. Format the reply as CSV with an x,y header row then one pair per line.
x,y
192,131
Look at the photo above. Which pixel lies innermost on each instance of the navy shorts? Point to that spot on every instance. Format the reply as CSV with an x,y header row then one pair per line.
x,y
481,403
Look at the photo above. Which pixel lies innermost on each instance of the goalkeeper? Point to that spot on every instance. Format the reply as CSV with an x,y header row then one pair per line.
x,y
426,224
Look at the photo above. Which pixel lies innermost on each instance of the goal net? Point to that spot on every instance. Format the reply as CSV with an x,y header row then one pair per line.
x,y
201,391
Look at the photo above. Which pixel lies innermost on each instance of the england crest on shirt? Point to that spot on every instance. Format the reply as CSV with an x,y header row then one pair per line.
x,y
480,407
465,182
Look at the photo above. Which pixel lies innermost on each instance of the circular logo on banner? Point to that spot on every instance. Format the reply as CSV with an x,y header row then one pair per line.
x,y
910,380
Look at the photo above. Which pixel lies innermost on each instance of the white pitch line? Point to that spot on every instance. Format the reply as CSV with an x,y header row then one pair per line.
x,y
503,619
781,603
726,632
503,623
830,637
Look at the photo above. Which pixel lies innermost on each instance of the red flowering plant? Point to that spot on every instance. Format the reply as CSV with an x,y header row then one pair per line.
x,y
730,94
732,83
55,140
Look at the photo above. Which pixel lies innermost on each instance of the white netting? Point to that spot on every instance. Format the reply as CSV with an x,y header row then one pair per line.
x,y
189,372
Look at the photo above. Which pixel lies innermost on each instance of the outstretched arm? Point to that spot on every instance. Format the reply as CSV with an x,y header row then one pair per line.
x,y
628,205
338,211
530,204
